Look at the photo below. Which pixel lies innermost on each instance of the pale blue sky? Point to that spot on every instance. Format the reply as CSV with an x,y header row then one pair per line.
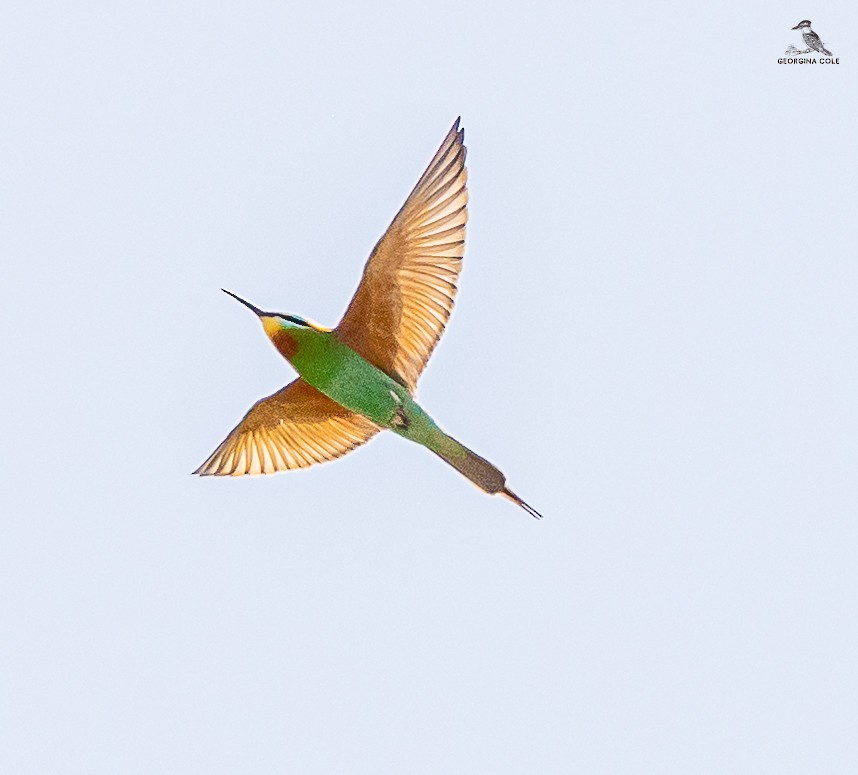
x,y
655,339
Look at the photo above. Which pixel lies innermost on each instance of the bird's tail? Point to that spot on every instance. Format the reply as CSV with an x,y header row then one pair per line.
x,y
482,473
827,52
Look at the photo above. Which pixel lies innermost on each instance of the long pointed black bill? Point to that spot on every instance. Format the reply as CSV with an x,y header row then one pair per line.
x,y
246,303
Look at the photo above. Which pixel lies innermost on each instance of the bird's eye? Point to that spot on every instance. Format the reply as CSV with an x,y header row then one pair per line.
x,y
292,319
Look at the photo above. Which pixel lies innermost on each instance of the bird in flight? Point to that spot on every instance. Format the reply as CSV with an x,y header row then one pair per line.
x,y
360,377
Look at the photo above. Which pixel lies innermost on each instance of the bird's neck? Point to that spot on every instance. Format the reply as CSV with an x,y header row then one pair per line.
x,y
286,343
306,340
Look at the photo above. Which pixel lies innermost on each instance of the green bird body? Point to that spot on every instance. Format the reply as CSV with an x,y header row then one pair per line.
x,y
342,375
336,370
359,378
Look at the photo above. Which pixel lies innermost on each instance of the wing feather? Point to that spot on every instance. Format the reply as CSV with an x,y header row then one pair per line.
x,y
295,427
406,294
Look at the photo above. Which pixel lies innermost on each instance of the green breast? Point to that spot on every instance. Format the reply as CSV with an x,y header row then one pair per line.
x,y
341,374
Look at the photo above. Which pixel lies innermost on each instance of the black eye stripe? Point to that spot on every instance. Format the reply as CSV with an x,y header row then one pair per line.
x,y
292,319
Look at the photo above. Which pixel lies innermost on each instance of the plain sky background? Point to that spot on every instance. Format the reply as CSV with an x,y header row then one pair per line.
x,y
655,339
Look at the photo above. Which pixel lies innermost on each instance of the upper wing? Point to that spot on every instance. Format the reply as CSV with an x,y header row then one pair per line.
x,y
406,294
293,428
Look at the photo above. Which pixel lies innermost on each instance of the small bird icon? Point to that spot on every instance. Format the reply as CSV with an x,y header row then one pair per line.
x,y
811,39
360,377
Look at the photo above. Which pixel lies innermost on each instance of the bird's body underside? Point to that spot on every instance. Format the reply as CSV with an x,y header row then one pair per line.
x,y
359,378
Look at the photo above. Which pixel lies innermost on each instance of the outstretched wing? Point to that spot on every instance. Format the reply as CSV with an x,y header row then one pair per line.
x,y
293,428
406,294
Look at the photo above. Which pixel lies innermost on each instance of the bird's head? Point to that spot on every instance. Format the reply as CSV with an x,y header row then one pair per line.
x,y
802,25
276,322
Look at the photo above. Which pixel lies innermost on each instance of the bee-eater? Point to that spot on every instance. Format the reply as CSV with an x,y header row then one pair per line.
x,y
360,377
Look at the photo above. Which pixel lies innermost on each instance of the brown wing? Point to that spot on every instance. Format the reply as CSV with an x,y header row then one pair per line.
x,y
293,428
406,294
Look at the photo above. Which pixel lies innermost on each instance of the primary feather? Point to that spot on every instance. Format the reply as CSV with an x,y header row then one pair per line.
x,y
405,297
293,428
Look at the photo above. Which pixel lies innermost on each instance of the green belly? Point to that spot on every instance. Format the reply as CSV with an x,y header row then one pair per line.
x,y
344,376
